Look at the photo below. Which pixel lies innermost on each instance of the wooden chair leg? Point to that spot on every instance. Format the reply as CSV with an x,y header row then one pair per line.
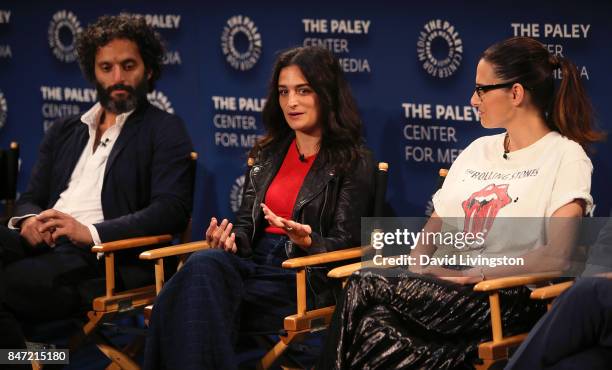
x,y
120,360
277,351
131,350
113,366
95,318
272,355
117,357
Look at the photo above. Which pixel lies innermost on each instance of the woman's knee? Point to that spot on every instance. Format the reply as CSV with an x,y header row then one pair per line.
x,y
209,261
203,271
208,256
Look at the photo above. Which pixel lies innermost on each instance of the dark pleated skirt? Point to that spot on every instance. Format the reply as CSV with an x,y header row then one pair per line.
x,y
417,322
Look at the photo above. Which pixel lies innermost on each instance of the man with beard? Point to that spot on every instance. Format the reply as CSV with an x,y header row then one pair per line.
x,y
120,170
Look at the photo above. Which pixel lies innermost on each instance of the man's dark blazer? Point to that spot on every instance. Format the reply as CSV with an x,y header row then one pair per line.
x,y
148,183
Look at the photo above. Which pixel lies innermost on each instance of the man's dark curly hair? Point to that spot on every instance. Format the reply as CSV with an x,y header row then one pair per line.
x,y
108,28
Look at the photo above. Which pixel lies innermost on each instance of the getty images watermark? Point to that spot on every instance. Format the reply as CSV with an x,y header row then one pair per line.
x,y
461,241
485,240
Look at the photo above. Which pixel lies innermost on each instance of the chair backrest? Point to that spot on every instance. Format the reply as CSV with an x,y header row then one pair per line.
x,y
193,156
9,169
441,177
380,189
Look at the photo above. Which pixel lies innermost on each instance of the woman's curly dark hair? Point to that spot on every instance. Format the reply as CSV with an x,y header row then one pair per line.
x,y
342,140
123,26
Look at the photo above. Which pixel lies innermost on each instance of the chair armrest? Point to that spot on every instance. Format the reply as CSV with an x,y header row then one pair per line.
x,y
322,258
345,271
174,250
552,291
499,342
118,245
514,281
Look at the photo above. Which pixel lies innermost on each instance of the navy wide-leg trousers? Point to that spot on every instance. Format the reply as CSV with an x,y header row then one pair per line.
x,y
201,310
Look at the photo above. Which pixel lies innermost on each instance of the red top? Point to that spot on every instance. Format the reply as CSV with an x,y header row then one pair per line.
x,y
284,189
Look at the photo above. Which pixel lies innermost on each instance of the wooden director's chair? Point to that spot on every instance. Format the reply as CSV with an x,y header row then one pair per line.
x,y
304,321
547,288
115,304
497,349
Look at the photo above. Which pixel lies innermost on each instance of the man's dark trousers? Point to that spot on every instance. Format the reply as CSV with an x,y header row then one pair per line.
x,y
39,283
575,334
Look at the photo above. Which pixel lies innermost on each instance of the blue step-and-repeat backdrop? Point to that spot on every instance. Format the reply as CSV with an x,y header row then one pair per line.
x,y
411,66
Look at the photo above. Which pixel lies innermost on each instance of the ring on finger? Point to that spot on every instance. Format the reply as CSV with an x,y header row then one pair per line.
x,y
288,228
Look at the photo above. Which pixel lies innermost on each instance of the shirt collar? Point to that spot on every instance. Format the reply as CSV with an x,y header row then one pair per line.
x,y
92,117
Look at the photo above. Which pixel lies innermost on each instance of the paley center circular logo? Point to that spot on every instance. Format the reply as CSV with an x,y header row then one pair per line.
x,y
63,30
241,42
439,48
236,194
3,110
158,99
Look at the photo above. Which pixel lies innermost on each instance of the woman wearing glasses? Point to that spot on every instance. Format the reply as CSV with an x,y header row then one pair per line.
x,y
429,316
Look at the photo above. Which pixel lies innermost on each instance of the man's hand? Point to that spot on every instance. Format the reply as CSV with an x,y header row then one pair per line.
x,y
61,224
29,231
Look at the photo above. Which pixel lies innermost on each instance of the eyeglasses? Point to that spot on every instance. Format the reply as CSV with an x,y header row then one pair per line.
x,y
480,90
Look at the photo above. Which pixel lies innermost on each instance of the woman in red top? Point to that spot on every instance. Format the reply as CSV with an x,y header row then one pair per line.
x,y
305,193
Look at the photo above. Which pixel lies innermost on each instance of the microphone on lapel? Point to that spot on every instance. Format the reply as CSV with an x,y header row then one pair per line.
x,y
301,156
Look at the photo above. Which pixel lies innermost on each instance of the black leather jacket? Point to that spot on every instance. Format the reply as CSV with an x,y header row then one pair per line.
x,y
332,204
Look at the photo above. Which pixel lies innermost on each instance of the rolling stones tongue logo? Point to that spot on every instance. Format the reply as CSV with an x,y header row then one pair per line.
x,y
481,208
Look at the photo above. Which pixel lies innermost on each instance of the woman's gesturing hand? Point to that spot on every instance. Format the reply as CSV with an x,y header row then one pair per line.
x,y
221,235
298,233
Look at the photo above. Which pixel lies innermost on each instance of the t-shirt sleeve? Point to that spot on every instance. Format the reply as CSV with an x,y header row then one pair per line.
x,y
573,181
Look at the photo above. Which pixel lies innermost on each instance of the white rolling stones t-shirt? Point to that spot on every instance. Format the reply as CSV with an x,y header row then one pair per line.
x,y
482,186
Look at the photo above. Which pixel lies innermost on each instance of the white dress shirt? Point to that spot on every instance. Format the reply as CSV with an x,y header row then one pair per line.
x,y
82,199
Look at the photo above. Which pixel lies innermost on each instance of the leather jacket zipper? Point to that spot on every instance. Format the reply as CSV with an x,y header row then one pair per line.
x,y
254,204
323,211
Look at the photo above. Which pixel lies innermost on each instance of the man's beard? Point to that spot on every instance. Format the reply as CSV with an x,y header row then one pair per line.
x,y
133,97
